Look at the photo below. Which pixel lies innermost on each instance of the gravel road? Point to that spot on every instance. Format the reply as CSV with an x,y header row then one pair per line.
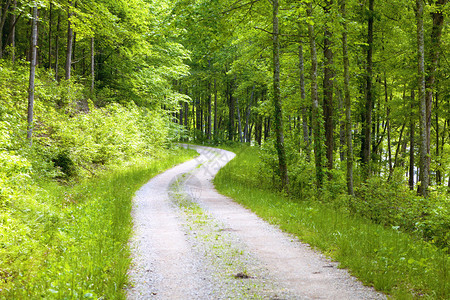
x,y
190,242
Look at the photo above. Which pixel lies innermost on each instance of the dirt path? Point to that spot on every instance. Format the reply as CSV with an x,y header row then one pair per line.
x,y
192,243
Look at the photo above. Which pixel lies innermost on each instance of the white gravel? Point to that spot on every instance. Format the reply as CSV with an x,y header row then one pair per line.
x,y
189,243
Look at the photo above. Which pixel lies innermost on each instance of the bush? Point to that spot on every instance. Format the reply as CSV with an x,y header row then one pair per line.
x,y
389,203
393,204
51,229
300,169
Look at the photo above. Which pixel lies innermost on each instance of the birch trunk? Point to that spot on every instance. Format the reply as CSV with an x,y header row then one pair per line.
x,y
69,44
424,172
92,66
33,56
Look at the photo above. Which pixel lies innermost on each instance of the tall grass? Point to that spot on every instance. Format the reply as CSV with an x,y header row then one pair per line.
x,y
391,261
74,240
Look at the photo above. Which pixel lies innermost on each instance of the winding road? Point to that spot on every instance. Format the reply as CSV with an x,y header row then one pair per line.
x,y
190,242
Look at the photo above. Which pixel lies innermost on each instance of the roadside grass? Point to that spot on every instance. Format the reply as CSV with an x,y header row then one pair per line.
x,y
393,262
71,242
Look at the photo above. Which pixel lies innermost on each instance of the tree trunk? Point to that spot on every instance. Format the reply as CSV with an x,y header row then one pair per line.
x,y
69,43
14,20
439,175
424,172
58,27
209,112
92,66
347,103
34,37
258,130
341,115
230,114
50,23
304,108
315,102
193,118
198,119
435,47
278,113
328,89
215,108
239,121
3,17
388,125
267,128
397,151
247,118
438,171
411,142
186,113
367,125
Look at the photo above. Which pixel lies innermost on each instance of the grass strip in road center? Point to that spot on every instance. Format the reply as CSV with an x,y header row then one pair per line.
x,y
233,273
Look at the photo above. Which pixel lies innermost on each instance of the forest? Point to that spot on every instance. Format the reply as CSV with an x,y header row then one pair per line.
x,y
358,85
346,102
351,92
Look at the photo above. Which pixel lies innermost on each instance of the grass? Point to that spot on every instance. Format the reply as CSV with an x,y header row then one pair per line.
x,y
393,262
63,242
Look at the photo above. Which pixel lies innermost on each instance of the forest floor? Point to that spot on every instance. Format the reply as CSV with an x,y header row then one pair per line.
x,y
190,242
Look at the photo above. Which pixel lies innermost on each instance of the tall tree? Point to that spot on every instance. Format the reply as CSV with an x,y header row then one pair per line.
x,y
4,9
92,65
69,46
328,86
433,62
367,122
347,102
304,109
50,23
215,109
424,172
58,29
412,125
315,100
278,115
13,31
33,57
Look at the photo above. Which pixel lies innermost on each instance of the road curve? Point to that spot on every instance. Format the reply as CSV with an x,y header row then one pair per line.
x,y
190,242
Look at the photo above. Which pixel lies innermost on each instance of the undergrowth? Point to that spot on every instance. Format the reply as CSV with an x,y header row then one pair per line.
x,y
70,242
399,264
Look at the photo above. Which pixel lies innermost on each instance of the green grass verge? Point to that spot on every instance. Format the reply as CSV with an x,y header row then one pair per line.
x,y
393,262
66,242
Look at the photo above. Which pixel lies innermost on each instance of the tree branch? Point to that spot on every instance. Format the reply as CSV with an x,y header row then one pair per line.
x,y
240,6
262,29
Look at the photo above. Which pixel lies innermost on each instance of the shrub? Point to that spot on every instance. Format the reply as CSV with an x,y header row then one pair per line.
x,y
300,169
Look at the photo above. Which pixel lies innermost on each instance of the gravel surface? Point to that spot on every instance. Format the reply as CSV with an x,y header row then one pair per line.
x,y
192,243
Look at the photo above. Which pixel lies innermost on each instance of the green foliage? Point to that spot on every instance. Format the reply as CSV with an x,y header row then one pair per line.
x,y
65,200
108,135
71,242
300,168
389,203
393,204
64,163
